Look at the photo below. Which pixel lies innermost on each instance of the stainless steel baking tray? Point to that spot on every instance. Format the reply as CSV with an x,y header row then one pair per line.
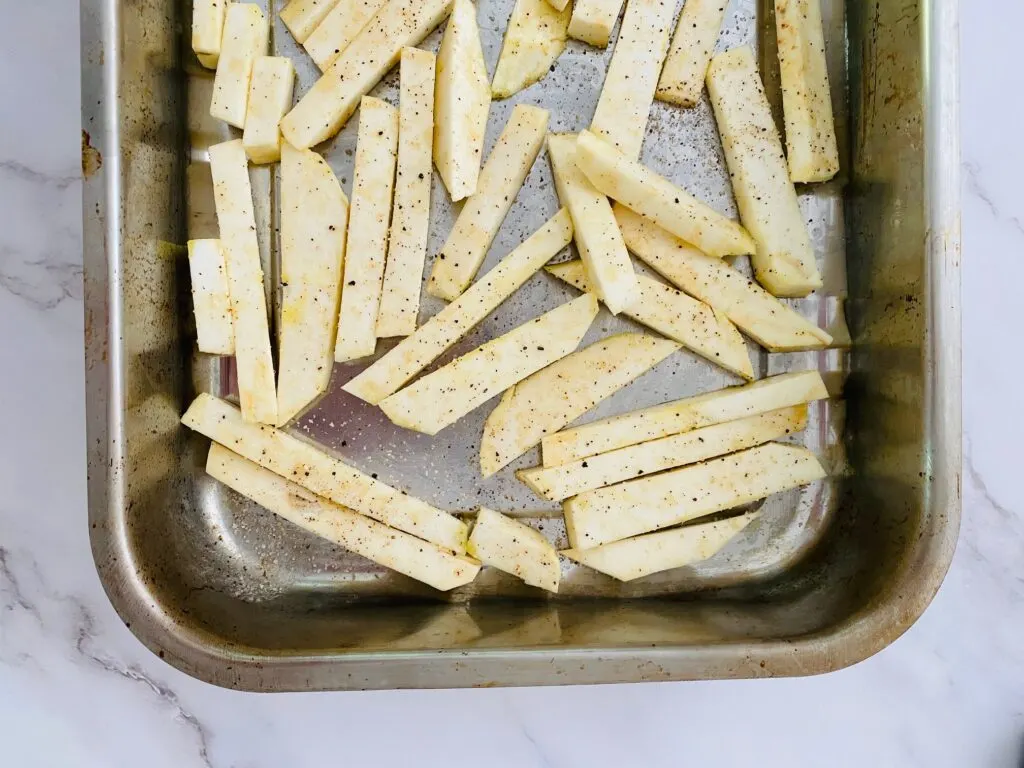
x,y
228,593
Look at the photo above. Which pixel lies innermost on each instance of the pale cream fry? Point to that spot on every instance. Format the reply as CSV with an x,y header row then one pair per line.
x,y
373,186
270,97
784,260
321,473
534,39
557,395
303,16
631,462
443,397
483,213
314,219
387,375
672,313
385,546
338,29
641,556
774,325
644,191
628,91
462,99
597,235
620,511
593,20
693,43
515,548
811,148
208,30
410,222
211,300
246,36
328,105
678,416
232,194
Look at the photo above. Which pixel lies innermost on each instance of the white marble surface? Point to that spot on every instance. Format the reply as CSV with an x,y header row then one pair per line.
x,y
76,689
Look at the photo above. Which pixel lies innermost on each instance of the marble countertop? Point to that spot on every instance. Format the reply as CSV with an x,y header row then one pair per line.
x,y
77,689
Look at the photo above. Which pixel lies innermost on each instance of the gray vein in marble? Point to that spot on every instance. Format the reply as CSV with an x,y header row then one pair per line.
x,y
972,179
17,596
513,713
542,759
44,282
86,634
25,173
85,637
982,487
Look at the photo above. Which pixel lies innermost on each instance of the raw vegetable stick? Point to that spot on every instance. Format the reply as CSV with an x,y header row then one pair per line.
x,y
784,261
628,91
328,105
597,235
483,213
641,556
385,546
811,148
672,313
771,323
557,395
410,223
449,393
389,374
232,194
682,79
651,503
373,186
323,474
655,197
561,482
673,418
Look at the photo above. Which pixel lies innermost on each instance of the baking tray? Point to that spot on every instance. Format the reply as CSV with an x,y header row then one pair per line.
x,y
828,575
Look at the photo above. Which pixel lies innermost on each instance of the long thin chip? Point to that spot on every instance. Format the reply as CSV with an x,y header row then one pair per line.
x,y
656,552
449,393
597,235
628,91
672,313
639,188
392,371
323,474
693,43
410,222
480,218
369,218
385,546
673,418
651,503
328,105
784,260
557,483
337,31
232,194
211,298
771,323
557,395
811,148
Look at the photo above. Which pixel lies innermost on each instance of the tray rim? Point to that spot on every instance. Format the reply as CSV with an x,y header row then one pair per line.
x,y
193,652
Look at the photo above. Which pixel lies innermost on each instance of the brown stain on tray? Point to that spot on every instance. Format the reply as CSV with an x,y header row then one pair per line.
x,y
92,160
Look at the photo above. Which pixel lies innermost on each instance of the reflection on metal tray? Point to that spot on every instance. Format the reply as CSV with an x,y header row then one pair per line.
x,y
232,594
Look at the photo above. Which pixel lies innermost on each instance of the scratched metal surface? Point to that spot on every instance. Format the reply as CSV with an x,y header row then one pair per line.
x,y
681,144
